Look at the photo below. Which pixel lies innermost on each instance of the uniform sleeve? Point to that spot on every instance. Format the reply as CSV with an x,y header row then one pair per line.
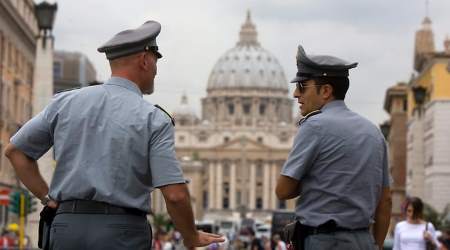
x,y
34,138
303,152
387,180
164,166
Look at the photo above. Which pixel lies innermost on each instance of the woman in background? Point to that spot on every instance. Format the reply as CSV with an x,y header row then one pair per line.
x,y
413,233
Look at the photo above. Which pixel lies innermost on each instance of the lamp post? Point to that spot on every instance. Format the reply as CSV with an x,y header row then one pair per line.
x,y
45,15
43,71
42,93
419,97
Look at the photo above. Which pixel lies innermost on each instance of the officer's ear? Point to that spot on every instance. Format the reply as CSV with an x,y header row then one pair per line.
x,y
142,60
327,91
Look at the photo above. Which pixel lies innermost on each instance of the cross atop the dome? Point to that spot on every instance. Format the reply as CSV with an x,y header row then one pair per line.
x,y
248,35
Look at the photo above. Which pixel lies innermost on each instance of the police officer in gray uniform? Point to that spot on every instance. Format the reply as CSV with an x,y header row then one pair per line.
x,y
338,165
112,148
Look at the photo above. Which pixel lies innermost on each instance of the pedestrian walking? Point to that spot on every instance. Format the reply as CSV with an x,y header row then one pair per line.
x,y
415,233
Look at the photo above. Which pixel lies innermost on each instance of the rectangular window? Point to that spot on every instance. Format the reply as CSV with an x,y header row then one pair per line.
x,y
9,51
205,199
225,203
259,203
1,50
226,188
262,109
230,109
246,108
57,70
281,204
30,73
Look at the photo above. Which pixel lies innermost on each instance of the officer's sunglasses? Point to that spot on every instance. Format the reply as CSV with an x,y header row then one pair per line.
x,y
301,86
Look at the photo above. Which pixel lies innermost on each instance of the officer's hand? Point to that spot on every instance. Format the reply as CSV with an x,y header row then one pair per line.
x,y
52,204
203,239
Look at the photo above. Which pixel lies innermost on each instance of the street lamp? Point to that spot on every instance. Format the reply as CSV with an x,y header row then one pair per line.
x,y
419,94
45,15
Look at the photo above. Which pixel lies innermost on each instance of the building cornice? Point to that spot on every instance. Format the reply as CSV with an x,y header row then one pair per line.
x,y
22,27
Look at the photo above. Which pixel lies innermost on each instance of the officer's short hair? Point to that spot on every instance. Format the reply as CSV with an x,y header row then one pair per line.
x,y
340,85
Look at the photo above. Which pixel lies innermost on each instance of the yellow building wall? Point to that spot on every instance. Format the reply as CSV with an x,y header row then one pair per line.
x,y
441,80
436,80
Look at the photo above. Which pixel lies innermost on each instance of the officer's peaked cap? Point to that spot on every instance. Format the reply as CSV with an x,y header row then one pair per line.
x,y
310,66
133,41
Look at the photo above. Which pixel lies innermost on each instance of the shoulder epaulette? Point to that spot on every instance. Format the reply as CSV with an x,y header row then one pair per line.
x,y
66,90
167,113
313,113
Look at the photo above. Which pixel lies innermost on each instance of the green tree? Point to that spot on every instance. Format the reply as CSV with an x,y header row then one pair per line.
x,y
431,215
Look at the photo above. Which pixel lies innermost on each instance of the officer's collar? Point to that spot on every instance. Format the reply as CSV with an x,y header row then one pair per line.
x,y
333,104
125,83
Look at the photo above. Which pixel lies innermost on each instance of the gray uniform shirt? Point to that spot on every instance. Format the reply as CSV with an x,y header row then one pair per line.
x,y
340,159
109,144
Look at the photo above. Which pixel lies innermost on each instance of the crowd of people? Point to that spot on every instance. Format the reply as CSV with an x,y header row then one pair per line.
x,y
172,240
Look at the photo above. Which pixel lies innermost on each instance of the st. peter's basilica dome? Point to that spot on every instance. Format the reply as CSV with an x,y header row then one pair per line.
x,y
247,65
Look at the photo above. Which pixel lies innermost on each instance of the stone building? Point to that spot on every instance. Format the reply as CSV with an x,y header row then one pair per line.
x,y
71,70
428,146
18,30
234,152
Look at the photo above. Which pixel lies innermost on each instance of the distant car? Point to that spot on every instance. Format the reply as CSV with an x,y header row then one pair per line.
x,y
207,226
263,231
228,228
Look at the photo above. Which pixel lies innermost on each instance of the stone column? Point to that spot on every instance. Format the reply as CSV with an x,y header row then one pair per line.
x,y
42,95
211,182
273,183
233,185
252,186
266,185
219,185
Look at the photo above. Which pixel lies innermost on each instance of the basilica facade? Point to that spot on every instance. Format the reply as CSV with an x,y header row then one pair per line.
x,y
232,155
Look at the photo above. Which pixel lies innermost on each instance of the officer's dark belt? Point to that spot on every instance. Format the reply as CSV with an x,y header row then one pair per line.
x,y
331,227
94,207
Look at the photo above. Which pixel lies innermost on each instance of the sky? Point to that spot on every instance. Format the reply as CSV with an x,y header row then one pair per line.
x,y
379,35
